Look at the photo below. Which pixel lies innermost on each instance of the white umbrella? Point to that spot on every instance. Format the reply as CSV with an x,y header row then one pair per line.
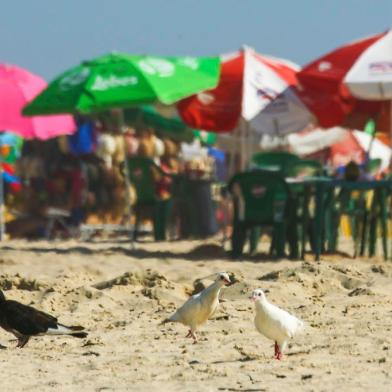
x,y
311,142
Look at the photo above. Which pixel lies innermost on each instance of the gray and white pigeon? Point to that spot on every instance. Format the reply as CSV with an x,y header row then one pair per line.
x,y
200,307
24,321
274,323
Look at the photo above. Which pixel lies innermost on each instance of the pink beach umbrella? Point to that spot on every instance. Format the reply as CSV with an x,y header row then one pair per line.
x,y
17,88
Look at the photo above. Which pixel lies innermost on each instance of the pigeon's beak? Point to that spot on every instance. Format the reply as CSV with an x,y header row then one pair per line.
x,y
227,282
252,298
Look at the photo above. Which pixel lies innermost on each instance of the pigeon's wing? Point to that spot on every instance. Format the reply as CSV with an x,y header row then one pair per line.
x,y
188,311
284,321
27,320
214,307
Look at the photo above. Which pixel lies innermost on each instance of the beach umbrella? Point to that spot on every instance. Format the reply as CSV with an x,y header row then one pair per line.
x,y
254,96
363,67
340,146
17,87
253,87
351,84
119,80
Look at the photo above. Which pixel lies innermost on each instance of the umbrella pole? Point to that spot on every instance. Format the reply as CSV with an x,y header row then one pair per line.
x,y
370,149
248,145
241,146
244,143
390,123
2,226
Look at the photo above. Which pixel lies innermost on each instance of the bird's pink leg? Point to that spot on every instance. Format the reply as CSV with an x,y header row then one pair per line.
x,y
278,353
194,337
276,349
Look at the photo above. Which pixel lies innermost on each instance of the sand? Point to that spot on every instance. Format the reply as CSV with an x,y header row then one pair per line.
x,y
120,295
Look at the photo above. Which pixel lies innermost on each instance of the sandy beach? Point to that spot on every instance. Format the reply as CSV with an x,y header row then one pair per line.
x,y
120,295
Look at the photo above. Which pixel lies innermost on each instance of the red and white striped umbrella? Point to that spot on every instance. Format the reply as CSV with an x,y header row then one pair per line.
x,y
340,146
255,88
370,76
355,79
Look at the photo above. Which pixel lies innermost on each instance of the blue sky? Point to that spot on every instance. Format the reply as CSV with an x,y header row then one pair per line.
x,y
49,36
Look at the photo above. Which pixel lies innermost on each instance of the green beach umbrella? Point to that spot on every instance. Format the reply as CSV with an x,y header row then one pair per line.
x,y
121,80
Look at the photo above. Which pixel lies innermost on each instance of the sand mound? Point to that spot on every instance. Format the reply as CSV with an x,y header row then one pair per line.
x,y
320,277
9,282
151,284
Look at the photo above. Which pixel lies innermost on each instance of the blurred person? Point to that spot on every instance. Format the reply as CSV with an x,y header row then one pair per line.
x,y
67,188
106,148
169,164
161,184
155,145
131,142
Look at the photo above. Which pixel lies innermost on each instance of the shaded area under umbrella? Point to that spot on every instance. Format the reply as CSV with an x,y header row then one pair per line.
x,y
148,116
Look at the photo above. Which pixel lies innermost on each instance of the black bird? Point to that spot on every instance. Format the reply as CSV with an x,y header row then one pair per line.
x,y
25,321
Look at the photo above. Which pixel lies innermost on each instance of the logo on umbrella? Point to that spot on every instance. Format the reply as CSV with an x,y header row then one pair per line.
x,y
74,78
380,67
205,98
103,84
189,62
266,93
324,66
158,67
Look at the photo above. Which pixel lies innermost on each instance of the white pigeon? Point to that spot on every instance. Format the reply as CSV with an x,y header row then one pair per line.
x,y
200,307
274,323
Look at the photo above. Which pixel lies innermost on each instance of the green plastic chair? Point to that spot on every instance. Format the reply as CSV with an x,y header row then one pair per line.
x,y
363,219
141,174
280,161
304,222
260,199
